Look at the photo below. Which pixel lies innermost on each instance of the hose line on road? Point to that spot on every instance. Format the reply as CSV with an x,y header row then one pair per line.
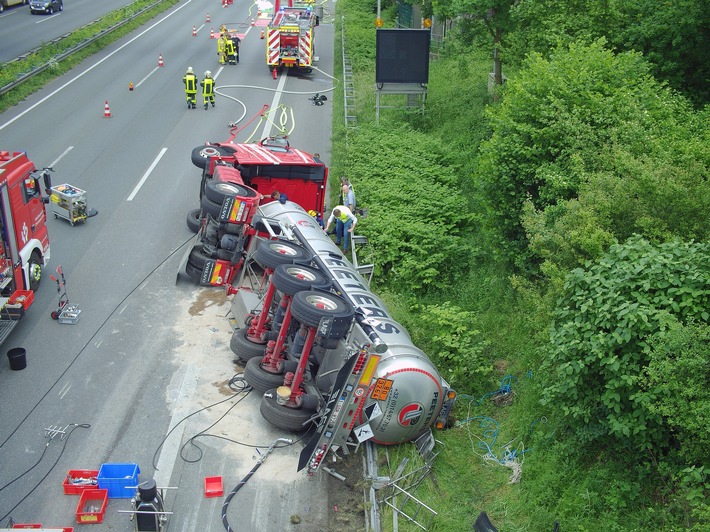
x,y
73,426
232,493
101,326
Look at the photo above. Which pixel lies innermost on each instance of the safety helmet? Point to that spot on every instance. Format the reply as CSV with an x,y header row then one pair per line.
x,y
312,213
189,70
208,74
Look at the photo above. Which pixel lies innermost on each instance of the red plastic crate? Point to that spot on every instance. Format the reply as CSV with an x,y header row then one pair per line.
x,y
92,506
213,487
71,488
24,297
27,525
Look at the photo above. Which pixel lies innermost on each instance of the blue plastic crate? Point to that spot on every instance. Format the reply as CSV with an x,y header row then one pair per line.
x,y
117,478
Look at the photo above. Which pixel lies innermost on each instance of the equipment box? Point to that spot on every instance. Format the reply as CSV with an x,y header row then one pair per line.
x,y
69,202
119,479
23,297
92,506
78,480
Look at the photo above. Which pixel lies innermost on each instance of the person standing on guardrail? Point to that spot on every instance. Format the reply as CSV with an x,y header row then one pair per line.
x,y
190,81
208,89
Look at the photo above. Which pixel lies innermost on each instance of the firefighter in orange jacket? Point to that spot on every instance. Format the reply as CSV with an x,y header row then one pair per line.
x,y
190,81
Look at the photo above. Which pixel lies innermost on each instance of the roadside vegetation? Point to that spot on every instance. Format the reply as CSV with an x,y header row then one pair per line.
x,y
49,52
548,247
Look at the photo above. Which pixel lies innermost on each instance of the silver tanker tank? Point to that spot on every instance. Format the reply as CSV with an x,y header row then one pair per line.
x,y
407,387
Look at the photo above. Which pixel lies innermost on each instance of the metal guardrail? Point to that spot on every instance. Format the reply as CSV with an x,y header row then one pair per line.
x,y
348,83
61,57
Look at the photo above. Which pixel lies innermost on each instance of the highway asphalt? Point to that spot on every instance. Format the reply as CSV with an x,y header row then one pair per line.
x,y
147,352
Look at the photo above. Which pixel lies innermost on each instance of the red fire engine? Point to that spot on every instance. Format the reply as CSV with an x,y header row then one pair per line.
x,y
290,36
236,179
24,249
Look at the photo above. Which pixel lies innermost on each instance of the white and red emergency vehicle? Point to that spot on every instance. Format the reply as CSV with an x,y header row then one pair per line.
x,y
290,36
24,249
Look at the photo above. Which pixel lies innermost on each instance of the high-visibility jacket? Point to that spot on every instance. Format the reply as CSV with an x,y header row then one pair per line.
x,y
222,44
207,86
190,81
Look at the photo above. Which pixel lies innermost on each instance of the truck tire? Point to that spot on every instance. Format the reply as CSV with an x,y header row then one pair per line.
x,y
259,379
292,278
35,271
245,348
210,207
271,253
310,307
201,154
196,263
217,191
284,417
194,220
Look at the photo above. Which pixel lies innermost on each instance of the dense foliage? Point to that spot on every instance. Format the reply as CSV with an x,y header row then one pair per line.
x,y
555,236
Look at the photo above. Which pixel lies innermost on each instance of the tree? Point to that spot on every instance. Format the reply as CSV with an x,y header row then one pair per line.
x,y
556,122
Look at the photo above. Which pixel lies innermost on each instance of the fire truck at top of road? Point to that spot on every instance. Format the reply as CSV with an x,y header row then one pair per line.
x,y
24,249
290,36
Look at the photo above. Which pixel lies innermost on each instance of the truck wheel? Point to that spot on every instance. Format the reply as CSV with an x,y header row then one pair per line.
x,y
210,207
245,348
196,263
310,307
202,154
259,379
35,271
283,417
271,253
217,191
291,279
194,220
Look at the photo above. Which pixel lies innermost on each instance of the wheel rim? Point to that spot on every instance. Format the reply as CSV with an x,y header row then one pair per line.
x,y
283,250
209,152
301,273
321,302
228,188
35,272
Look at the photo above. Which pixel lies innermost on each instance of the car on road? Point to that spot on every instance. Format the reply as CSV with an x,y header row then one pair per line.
x,y
9,3
46,6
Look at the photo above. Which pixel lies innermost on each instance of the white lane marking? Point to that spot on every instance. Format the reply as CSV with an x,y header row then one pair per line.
x,y
218,73
47,18
147,173
274,103
23,113
181,408
70,148
64,390
145,78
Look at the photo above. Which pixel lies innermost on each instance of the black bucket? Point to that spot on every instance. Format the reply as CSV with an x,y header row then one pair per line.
x,y
18,358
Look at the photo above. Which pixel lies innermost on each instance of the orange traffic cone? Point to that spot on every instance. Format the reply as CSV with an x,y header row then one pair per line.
x,y
160,60
208,17
262,34
252,22
194,31
211,33
107,111
130,86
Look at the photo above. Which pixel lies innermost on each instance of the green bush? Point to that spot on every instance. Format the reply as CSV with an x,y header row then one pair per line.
x,y
606,323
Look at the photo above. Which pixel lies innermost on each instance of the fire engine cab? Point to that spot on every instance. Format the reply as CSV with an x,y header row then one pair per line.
x,y
24,248
290,36
236,179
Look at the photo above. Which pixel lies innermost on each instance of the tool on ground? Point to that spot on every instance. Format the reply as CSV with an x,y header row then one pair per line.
x,y
65,312
148,508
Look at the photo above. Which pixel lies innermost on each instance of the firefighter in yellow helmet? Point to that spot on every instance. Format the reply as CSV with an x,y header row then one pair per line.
x,y
208,89
222,47
190,81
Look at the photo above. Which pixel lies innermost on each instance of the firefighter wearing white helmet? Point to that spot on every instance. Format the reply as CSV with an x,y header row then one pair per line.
x,y
190,81
208,89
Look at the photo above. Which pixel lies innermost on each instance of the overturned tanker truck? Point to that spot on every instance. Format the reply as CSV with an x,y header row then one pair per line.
x,y
319,345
